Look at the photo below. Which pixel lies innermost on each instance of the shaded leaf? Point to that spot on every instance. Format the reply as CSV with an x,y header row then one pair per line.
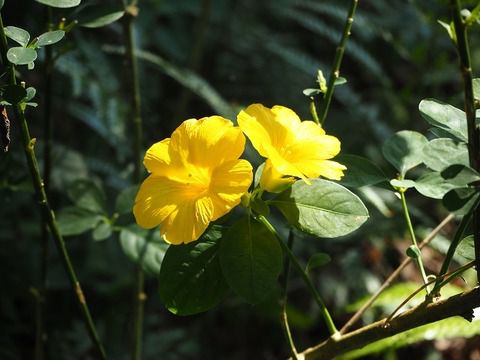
x,y
126,199
14,94
21,55
466,248
461,200
139,245
251,259
323,209
460,175
95,16
433,185
317,260
102,231
87,195
190,279
404,150
360,171
74,221
445,117
60,3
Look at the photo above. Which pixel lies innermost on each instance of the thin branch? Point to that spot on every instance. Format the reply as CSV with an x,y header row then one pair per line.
x,y
47,212
394,275
473,130
425,313
337,62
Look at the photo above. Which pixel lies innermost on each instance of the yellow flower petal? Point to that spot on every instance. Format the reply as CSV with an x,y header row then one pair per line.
x,y
273,181
188,221
157,156
331,169
229,182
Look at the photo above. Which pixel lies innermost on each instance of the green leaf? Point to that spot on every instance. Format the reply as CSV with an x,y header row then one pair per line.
x,y
73,220
311,92
340,81
18,35
461,200
87,195
460,175
454,327
324,208
260,206
441,153
445,117
433,185
317,260
31,91
476,88
95,16
102,231
139,245
403,184
14,94
1,3
251,259
360,171
60,3
50,38
190,279
21,55
126,199
404,150
466,248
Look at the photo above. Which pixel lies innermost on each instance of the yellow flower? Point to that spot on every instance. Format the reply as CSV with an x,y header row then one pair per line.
x,y
293,148
196,177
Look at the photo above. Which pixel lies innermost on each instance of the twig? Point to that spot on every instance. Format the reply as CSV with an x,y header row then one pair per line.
x,y
473,130
425,313
394,275
48,213
335,73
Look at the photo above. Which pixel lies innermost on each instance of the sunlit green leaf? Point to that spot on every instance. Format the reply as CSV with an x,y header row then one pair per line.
x,y
190,279
360,171
251,259
21,55
445,117
324,208
460,175
31,91
404,150
18,35
433,185
405,184
102,231
60,3
441,153
50,38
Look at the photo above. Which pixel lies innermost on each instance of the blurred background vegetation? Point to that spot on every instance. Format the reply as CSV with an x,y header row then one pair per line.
x,y
204,57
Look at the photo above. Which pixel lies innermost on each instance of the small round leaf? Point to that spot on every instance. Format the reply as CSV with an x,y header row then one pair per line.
x,y
21,55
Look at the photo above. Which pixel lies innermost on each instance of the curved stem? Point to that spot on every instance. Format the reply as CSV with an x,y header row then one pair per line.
x,y
323,309
47,212
469,103
418,259
335,73
284,316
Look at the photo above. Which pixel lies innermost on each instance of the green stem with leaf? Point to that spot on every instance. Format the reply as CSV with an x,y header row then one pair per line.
x,y
131,11
418,258
42,198
469,103
337,62
323,309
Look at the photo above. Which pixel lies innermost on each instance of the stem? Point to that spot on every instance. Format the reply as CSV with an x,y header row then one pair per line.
x,y
284,316
451,249
418,259
135,98
313,111
425,313
47,212
335,73
393,276
47,150
323,309
469,103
